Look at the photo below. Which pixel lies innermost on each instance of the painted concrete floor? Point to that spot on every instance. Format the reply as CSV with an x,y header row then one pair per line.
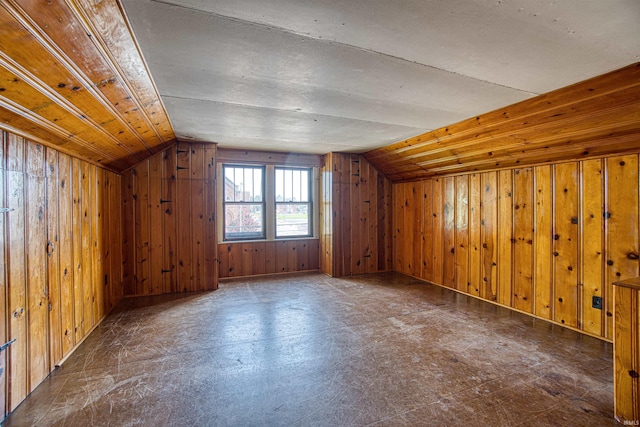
x,y
309,350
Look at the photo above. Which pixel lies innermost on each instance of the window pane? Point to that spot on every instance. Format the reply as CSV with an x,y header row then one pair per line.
x,y
243,184
292,185
243,221
304,185
292,219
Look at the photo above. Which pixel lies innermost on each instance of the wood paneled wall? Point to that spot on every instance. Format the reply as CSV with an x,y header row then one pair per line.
x,y
168,209
280,256
354,217
626,351
543,240
61,265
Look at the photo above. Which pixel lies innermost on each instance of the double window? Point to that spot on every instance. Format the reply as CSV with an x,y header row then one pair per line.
x,y
264,202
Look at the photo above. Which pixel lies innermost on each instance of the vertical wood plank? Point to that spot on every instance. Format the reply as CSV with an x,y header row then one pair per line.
x,y
223,258
523,247
156,237
282,252
626,388
355,218
475,243
78,291
97,223
505,237
416,230
106,235
314,254
376,227
15,153
115,247
128,234
566,244
37,310
386,218
543,280
184,230
53,257
258,258
292,255
17,280
235,255
364,201
210,242
198,227
437,212
409,223
17,274
86,220
169,220
449,275
592,245
489,235
398,227
621,222
270,263
66,252
428,233
462,233
170,235
247,258
142,230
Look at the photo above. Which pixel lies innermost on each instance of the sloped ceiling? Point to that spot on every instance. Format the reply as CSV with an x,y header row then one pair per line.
x,y
71,76
309,76
324,75
593,118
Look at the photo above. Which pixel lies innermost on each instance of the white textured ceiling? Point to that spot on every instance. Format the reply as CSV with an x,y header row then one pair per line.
x,y
328,75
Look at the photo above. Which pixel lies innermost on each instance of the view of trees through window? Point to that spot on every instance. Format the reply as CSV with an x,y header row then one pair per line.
x,y
244,202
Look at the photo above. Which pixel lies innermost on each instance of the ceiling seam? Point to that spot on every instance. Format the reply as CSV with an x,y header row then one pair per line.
x,y
256,107
320,39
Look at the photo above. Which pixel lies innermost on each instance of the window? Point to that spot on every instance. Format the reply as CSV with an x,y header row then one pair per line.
x,y
267,202
244,202
293,202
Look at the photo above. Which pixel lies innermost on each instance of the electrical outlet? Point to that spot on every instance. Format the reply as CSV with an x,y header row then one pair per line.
x,y
596,302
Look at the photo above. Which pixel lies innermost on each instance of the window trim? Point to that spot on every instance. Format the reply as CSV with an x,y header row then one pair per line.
x,y
311,194
264,203
269,198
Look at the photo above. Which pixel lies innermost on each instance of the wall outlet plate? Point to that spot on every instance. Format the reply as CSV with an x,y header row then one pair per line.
x,y
596,302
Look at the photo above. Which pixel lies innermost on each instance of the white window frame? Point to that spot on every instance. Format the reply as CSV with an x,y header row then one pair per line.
x,y
270,205
225,202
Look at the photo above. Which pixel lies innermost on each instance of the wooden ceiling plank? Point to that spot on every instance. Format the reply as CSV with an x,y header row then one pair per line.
x,y
619,120
36,104
624,145
619,80
595,109
617,103
61,132
87,66
113,37
105,128
21,126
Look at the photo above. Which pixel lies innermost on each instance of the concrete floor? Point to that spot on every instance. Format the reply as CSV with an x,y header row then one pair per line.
x,y
309,350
